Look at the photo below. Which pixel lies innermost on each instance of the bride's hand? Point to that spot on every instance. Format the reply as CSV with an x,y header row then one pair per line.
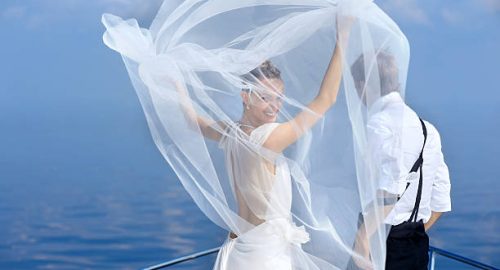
x,y
344,25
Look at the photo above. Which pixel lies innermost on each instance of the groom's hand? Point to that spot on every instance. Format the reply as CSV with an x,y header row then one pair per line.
x,y
362,250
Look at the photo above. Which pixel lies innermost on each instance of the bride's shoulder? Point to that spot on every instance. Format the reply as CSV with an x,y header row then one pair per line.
x,y
267,126
261,133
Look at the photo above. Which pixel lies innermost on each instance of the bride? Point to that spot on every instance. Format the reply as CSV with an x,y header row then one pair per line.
x,y
203,63
259,176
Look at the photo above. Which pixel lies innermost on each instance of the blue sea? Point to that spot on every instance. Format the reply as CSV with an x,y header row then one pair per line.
x,y
94,193
82,185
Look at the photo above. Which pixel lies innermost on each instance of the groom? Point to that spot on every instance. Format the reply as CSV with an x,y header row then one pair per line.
x,y
409,165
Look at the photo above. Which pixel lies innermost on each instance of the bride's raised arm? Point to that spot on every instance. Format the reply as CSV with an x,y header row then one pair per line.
x,y
289,132
211,129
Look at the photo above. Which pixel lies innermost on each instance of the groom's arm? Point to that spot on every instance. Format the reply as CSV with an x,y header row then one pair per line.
x,y
383,154
440,197
434,217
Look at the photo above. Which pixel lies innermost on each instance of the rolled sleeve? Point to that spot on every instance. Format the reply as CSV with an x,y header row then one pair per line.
x,y
440,199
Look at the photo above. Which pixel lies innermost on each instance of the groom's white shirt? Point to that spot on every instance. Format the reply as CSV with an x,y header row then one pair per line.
x,y
395,139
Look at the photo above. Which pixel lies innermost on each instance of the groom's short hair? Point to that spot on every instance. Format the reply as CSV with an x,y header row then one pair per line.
x,y
387,71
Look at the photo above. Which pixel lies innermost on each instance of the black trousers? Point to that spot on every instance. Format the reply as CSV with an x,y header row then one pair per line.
x,y
407,247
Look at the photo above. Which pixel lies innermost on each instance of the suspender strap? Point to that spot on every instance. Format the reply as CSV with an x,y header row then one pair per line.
x,y
418,164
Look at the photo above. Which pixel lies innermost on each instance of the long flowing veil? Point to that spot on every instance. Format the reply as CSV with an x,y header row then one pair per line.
x,y
195,59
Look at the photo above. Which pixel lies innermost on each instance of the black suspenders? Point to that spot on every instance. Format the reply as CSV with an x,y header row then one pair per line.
x,y
418,165
407,243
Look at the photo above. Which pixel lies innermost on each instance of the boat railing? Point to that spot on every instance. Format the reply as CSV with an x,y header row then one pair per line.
x,y
433,254
190,257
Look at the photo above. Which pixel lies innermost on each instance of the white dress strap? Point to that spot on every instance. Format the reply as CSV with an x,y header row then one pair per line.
x,y
260,134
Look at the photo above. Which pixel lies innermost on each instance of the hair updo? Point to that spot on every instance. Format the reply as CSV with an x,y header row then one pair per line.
x,y
266,70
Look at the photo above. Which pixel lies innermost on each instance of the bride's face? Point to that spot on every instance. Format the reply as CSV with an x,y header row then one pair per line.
x,y
262,105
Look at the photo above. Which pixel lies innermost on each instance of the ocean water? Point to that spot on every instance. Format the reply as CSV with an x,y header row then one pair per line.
x,y
83,187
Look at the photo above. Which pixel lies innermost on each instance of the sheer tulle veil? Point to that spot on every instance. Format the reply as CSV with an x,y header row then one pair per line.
x,y
207,48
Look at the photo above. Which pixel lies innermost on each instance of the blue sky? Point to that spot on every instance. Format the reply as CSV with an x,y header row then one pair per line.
x,y
56,67
454,43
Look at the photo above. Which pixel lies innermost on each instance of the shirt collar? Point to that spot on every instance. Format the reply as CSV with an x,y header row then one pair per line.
x,y
379,104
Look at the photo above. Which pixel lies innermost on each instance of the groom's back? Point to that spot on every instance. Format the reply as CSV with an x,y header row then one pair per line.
x,y
395,125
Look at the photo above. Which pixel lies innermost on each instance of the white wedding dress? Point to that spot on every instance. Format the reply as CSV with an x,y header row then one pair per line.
x,y
264,197
325,179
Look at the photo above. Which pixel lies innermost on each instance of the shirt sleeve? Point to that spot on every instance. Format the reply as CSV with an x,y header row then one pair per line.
x,y
440,199
385,152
